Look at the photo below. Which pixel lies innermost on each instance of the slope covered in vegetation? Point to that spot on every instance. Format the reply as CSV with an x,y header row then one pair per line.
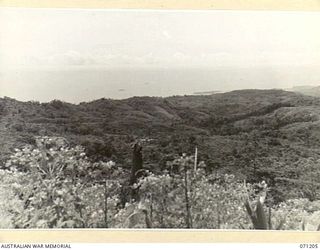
x,y
255,135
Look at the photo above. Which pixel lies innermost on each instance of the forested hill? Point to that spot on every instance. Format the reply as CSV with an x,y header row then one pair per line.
x,y
256,134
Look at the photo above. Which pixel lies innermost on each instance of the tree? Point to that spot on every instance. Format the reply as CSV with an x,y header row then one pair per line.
x,y
136,169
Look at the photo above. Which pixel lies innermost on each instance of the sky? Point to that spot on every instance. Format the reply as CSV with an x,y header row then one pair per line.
x,y
80,55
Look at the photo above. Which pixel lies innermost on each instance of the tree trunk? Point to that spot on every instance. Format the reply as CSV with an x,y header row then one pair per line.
x,y
136,169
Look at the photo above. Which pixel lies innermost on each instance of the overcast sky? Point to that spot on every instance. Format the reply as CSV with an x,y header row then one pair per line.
x,y
61,41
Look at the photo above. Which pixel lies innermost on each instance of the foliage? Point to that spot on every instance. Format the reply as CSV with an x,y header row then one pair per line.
x,y
299,214
215,200
54,185
270,135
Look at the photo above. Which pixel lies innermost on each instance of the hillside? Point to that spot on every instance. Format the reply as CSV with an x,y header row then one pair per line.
x,y
270,135
307,90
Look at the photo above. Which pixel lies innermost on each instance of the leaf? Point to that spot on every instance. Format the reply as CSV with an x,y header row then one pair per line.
x,y
261,217
257,216
250,213
134,219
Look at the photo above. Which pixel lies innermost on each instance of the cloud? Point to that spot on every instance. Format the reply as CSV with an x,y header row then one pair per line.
x,y
74,58
172,58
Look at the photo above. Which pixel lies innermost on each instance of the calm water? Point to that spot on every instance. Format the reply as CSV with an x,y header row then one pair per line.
x,y
86,84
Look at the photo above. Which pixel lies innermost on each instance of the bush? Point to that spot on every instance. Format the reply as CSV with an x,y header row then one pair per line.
x,y
53,187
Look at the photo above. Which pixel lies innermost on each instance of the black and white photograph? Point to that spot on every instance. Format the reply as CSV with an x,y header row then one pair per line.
x,y
159,119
